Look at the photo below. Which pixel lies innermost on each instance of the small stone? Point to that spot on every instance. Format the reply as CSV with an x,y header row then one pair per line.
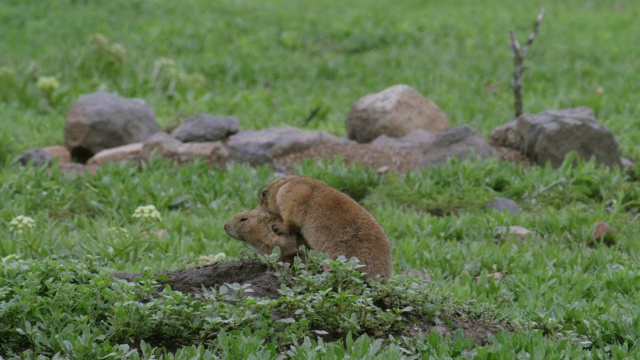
x,y
603,233
423,275
513,231
500,204
206,128
36,157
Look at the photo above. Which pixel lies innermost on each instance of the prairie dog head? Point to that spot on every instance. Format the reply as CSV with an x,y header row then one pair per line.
x,y
263,231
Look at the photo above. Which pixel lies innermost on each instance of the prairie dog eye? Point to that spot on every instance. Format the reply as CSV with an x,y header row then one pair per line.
x,y
243,219
264,194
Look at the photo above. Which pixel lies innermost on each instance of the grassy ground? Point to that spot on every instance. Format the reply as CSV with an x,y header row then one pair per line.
x,y
269,64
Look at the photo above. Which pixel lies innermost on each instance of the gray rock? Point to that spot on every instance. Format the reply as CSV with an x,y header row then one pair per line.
x,y
626,162
169,148
35,157
205,128
550,135
394,112
260,147
416,138
461,142
214,152
101,121
161,144
500,203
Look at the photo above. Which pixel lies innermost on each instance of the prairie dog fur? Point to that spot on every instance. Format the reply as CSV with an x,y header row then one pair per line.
x,y
329,221
263,231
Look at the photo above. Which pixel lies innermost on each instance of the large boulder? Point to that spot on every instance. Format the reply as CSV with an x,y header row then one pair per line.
x,y
205,127
101,121
460,142
394,112
262,146
550,135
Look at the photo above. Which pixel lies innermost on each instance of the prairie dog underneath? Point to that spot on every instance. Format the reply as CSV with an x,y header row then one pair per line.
x,y
329,221
263,231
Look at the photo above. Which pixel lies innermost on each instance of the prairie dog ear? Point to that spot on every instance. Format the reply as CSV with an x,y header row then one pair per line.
x,y
279,229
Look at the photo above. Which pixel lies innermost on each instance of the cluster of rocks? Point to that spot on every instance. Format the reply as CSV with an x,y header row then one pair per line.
x,y
396,129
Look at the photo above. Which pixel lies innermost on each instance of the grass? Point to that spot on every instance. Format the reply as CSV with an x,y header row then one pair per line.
x,y
270,64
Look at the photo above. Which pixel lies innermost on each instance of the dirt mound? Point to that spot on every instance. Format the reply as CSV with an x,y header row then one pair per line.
x,y
191,281
264,284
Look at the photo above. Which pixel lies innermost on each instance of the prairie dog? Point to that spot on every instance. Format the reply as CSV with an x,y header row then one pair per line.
x,y
329,221
263,231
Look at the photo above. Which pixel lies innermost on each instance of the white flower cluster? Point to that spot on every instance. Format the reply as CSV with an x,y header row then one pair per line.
x,y
204,260
147,213
47,83
20,224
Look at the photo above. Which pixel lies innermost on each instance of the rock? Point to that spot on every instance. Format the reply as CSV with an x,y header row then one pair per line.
x,y
262,146
550,135
416,138
394,112
518,232
161,144
461,142
205,128
423,275
397,159
35,157
214,152
499,204
59,152
101,121
603,233
626,162
167,147
117,154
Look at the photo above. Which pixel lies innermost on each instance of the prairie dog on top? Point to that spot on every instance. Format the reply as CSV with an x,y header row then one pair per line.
x,y
329,221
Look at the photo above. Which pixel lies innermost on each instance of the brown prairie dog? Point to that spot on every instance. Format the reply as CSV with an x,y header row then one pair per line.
x,y
263,231
329,221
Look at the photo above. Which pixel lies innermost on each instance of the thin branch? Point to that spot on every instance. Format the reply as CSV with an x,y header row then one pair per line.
x,y
534,33
313,114
519,53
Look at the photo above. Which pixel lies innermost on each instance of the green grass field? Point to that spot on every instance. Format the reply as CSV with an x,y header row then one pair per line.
x,y
270,63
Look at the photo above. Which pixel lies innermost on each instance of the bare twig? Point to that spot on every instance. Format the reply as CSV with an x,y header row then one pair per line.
x,y
519,53
313,114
